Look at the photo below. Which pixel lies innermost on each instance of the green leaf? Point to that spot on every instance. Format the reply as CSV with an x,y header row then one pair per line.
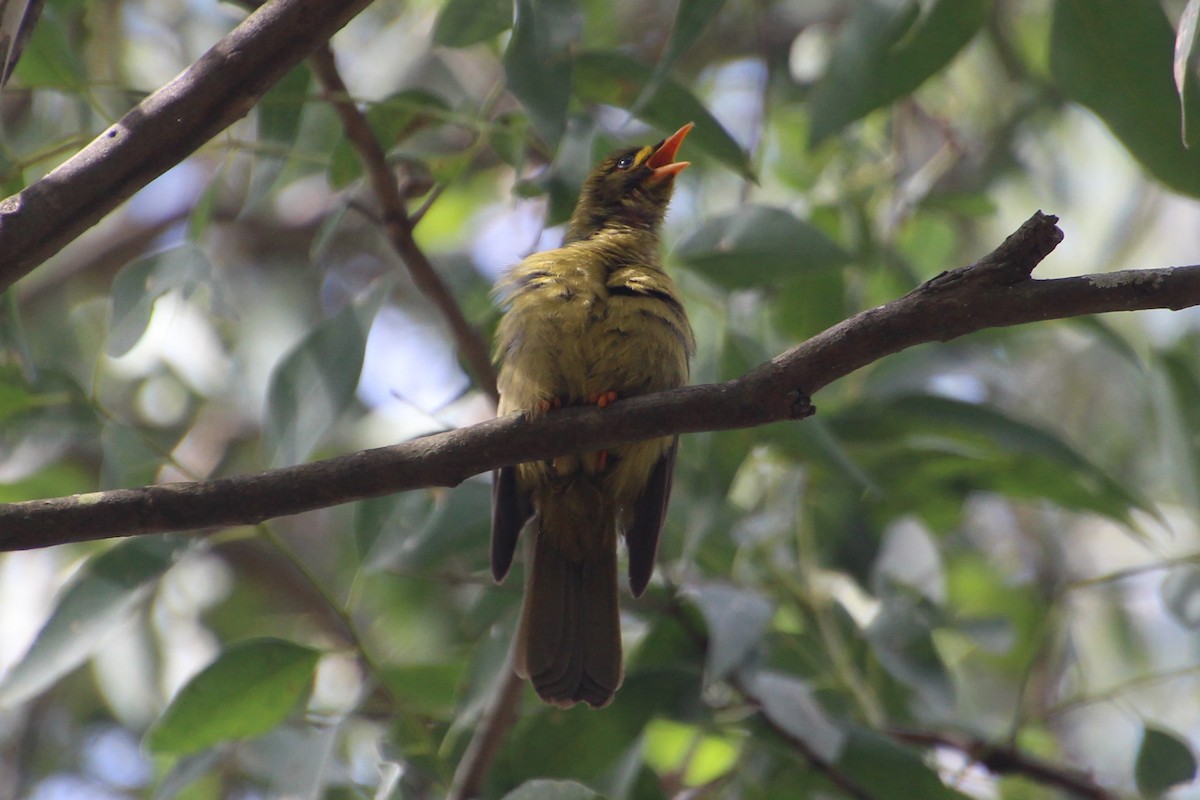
x,y
99,598
393,120
809,302
885,51
971,446
613,78
886,769
18,398
461,23
736,620
541,789
138,285
1114,56
789,703
426,688
133,456
1164,760
459,522
756,246
382,525
247,691
689,751
1181,594
1185,65
50,59
537,63
691,18
314,384
281,108
901,638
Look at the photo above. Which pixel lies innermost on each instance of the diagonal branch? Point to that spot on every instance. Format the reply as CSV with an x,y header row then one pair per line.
x,y
162,130
994,292
1008,760
398,224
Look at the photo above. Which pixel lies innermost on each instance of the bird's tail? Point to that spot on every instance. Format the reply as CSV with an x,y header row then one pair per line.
x,y
569,643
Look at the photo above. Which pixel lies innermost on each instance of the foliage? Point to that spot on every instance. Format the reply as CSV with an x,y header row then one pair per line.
x,y
992,540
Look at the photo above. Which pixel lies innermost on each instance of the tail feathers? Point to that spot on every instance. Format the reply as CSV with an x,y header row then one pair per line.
x,y
569,645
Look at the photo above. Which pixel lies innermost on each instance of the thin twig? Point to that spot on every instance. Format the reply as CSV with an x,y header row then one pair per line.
x,y
1008,760
819,763
1113,692
498,719
398,225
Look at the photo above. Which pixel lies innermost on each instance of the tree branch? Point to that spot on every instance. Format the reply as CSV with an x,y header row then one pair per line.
x,y
994,292
1008,760
162,130
398,224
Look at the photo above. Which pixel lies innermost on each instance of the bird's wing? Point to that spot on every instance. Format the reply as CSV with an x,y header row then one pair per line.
x,y
649,512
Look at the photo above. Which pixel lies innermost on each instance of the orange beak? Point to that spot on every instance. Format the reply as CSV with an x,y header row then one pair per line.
x,y
663,162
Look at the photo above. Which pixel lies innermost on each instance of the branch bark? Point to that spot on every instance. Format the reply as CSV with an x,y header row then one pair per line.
x,y
994,292
162,130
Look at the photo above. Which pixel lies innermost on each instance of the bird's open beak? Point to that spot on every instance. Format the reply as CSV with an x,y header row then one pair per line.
x,y
663,162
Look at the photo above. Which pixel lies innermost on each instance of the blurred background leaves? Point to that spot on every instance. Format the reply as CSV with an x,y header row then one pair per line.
x,y
993,538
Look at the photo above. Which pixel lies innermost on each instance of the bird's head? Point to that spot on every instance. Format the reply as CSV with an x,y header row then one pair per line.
x,y
630,188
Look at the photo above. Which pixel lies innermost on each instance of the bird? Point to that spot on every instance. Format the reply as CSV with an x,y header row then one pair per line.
x,y
591,322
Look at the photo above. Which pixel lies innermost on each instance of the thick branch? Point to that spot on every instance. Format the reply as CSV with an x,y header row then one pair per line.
x,y
988,294
163,129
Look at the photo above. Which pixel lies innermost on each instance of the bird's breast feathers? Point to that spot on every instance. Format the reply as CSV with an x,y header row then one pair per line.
x,y
580,324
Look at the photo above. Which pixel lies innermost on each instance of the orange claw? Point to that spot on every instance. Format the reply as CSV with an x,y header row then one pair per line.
x,y
545,405
602,399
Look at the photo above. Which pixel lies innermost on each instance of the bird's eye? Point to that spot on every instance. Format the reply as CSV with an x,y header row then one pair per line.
x,y
626,162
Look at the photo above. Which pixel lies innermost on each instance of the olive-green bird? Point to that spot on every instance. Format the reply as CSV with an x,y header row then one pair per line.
x,y
593,321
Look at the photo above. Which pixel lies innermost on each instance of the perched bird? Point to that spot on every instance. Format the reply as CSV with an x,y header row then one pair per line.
x,y
591,322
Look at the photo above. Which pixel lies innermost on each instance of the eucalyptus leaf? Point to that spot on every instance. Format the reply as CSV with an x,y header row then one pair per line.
x,y
789,703
537,62
1164,760
250,688
886,769
885,51
901,638
1181,594
100,597
314,384
1185,67
459,520
461,23
50,59
139,285
736,619
392,120
280,109
1115,57
613,78
542,789
691,18
757,246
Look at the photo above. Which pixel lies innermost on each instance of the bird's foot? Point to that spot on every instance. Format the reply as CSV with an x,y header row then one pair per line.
x,y
544,406
602,399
